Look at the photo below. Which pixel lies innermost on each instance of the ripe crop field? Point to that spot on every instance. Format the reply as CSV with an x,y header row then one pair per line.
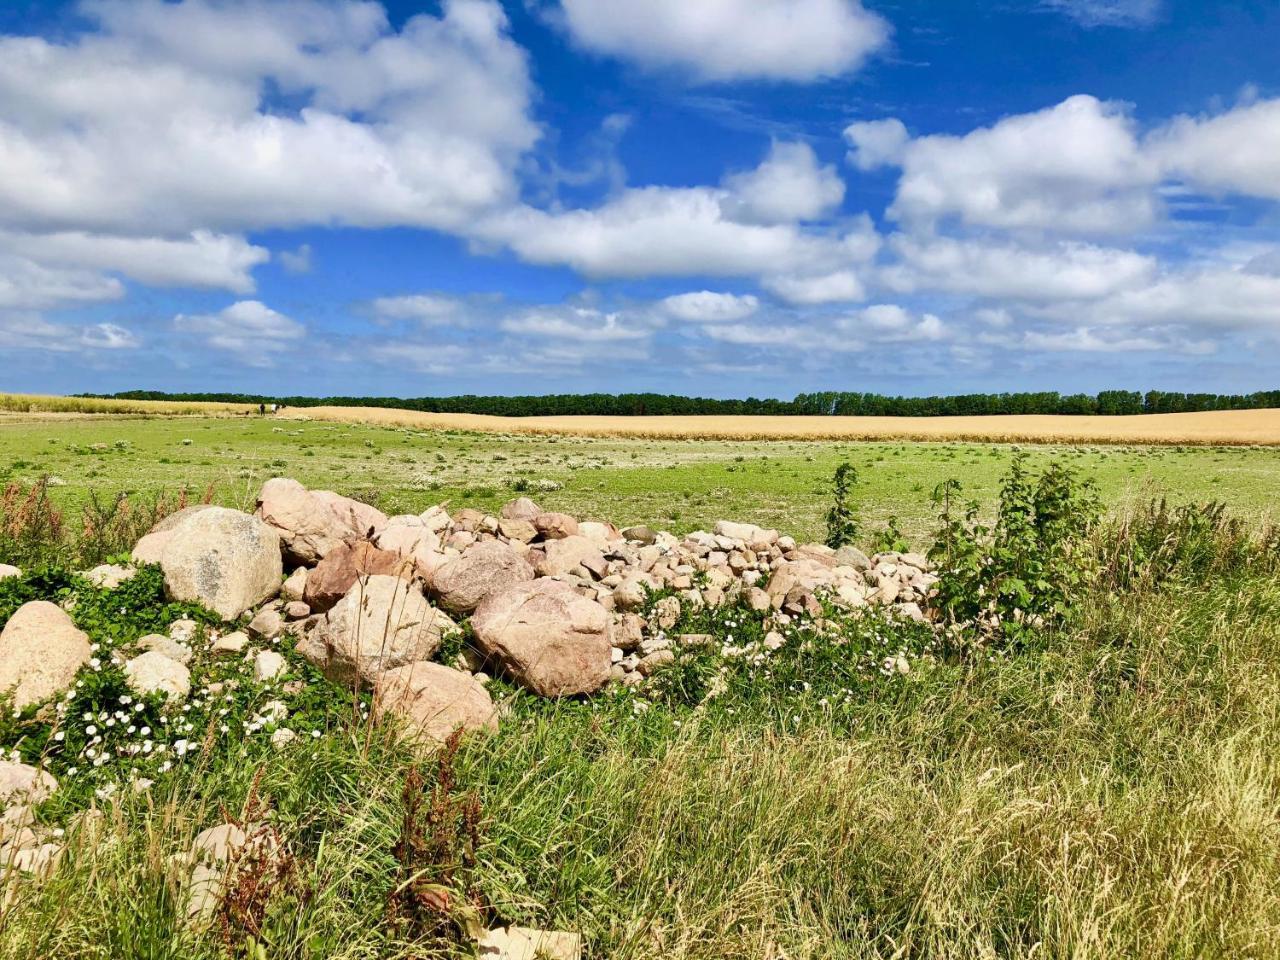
x,y
678,484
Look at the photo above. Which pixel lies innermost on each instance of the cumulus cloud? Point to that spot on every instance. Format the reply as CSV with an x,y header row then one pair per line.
x,y
790,185
157,124
31,331
249,329
1076,167
427,309
202,259
837,287
25,284
715,40
582,324
996,269
705,306
876,143
1234,152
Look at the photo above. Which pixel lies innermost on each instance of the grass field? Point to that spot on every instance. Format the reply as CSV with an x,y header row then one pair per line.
x,y
1106,789
679,484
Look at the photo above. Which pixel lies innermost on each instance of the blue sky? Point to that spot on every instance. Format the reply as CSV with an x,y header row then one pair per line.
x,y
721,198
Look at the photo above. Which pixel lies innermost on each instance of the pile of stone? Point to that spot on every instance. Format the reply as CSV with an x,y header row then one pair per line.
x,y
553,603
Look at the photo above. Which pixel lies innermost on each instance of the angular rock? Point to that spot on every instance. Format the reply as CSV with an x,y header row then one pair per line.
x,y
166,645
555,526
462,582
521,508
562,555
267,624
40,651
231,645
549,637
526,943
268,665
433,701
153,672
295,585
313,522
342,566
223,559
20,783
517,529
381,623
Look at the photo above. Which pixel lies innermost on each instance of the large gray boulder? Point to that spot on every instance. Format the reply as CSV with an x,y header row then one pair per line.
x,y
432,701
149,548
381,623
223,559
549,637
313,522
460,583
40,652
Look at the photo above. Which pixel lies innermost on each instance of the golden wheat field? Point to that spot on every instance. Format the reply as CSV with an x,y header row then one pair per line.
x,y
1229,427
1248,427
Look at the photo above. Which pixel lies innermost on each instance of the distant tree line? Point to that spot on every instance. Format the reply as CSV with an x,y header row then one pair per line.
x,y
826,403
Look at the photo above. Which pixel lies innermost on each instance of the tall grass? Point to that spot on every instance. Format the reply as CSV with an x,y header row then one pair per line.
x,y
1111,791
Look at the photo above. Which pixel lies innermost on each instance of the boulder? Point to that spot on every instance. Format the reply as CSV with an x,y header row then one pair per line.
x,y
267,665
601,534
521,508
381,623
151,546
549,637
460,583
8,570
153,672
432,701
40,652
561,556
555,526
342,566
851,556
20,783
231,645
517,529
412,542
223,559
640,534
313,522
267,623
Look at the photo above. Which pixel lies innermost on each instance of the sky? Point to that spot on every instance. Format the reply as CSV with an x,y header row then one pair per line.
x,y
722,198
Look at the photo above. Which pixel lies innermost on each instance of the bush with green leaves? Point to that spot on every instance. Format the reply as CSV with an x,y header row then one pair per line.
x,y
842,518
1021,574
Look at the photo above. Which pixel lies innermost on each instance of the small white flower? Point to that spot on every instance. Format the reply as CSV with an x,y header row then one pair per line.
x,y
126,700
91,729
145,731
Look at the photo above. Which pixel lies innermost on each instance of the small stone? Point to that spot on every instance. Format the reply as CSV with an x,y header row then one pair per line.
x,y
667,612
183,631
232,645
8,570
297,610
167,646
268,665
526,943
108,576
653,661
153,672
295,585
267,624
773,640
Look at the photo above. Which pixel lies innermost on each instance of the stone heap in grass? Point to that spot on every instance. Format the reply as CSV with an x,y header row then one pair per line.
x,y
551,602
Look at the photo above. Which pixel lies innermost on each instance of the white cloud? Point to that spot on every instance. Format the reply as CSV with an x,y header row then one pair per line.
x,y
1109,13
297,261
1210,299
1060,271
1234,152
156,125
30,331
426,309
788,186
1088,340
890,323
582,324
706,306
249,329
25,284
202,259
840,286
794,40
1076,167
876,143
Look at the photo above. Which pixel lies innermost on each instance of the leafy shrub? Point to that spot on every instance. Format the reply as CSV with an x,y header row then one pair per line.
x,y
1023,572
842,521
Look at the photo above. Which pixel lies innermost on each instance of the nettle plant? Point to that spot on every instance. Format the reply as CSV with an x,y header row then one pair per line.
x,y
842,519
1008,580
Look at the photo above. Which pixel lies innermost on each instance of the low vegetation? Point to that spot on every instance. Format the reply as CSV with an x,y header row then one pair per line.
x,y
1084,763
